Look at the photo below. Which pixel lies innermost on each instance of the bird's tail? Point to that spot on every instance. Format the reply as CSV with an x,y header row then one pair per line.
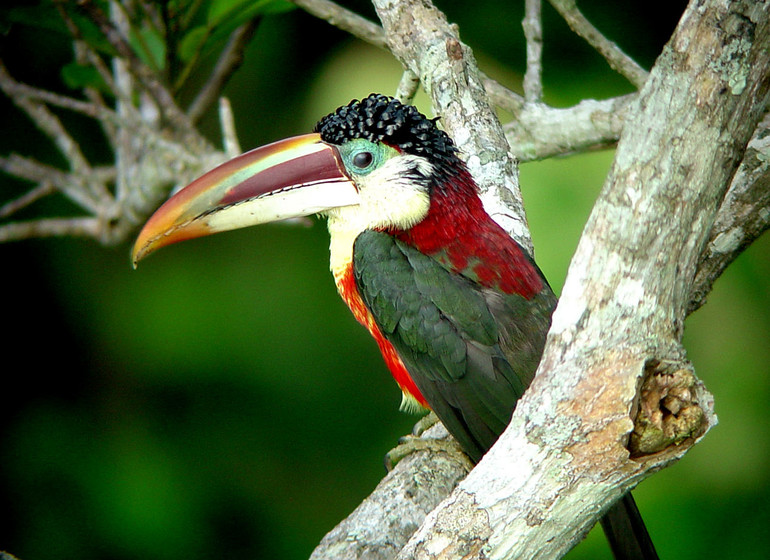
x,y
626,533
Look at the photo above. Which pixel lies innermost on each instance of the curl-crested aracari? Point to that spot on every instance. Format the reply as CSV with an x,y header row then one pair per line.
x,y
459,310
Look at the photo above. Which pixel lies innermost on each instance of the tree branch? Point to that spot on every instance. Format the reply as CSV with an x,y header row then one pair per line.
x,y
141,72
535,132
424,42
229,61
617,59
383,523
743,216
540,132
623,305
533,33
346,20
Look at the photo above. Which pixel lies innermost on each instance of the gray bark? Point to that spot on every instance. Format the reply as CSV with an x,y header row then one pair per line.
x,y
614,353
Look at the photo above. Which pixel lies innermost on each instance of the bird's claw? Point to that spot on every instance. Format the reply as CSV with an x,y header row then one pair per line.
x,y
413,443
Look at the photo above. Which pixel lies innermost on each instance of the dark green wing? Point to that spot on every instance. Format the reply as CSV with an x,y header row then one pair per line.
x,y
471,351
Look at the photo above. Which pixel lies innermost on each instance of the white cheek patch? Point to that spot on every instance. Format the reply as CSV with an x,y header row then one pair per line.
x,y
395,195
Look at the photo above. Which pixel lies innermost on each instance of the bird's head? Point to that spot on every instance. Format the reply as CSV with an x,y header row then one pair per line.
x,y
372,164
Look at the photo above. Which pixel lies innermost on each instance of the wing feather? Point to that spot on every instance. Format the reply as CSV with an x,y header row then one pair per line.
x,y
470,350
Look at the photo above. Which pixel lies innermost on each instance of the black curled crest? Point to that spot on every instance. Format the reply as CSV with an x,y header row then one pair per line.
x,y
379,118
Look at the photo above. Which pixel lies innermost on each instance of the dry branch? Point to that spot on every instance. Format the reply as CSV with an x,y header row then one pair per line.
x,y
615,57
564,459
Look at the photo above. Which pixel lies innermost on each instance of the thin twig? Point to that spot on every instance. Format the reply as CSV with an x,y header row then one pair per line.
x,y
533,33
42,190
229,61
140,70
128,10
229,136
15,89
373,34
151,10
617,59
92,57
85,55
503,97
407,87
51,227
69,184
346,20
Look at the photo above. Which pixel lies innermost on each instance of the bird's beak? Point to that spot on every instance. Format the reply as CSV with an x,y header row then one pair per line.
x,y
287,179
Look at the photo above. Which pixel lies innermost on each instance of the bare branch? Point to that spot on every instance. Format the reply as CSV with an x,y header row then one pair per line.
x,y
617,59
51,227
407,87
533,33
540,131
141,71
527,139
17,90
71,185
743,216
400,502
85,55
229,136
421,38
42,190
346,20
229,61
503,97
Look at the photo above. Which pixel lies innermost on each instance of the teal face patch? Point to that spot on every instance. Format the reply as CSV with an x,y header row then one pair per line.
x,y
361,157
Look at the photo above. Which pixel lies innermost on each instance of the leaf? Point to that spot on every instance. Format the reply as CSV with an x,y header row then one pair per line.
x,y
77,76
149,46
235,12
219,10
192,42
222,19
42,17
45,17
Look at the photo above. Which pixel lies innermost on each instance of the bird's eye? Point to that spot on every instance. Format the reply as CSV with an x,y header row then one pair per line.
x,y
362,160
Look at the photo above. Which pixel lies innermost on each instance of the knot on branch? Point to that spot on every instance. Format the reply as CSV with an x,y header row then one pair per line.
x,y
669,411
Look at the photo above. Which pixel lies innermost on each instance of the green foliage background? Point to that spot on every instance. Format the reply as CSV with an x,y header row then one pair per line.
x,y
221,401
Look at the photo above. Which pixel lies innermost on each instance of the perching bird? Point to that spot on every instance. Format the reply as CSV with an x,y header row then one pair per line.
x,y
459,310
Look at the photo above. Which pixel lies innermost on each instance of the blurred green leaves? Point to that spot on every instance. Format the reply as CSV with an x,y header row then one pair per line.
x,y
78,76
172,38
222,17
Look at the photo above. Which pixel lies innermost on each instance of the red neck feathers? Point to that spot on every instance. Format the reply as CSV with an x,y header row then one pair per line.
x,y
459,232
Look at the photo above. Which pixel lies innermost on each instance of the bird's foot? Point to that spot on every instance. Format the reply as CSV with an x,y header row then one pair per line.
x,y
425,423
415,442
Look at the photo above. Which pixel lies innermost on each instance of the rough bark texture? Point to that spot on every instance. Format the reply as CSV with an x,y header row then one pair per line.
x,y
743,216
564,457
380,527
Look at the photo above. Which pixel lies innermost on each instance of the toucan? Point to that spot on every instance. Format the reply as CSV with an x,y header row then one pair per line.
x,y
458,309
